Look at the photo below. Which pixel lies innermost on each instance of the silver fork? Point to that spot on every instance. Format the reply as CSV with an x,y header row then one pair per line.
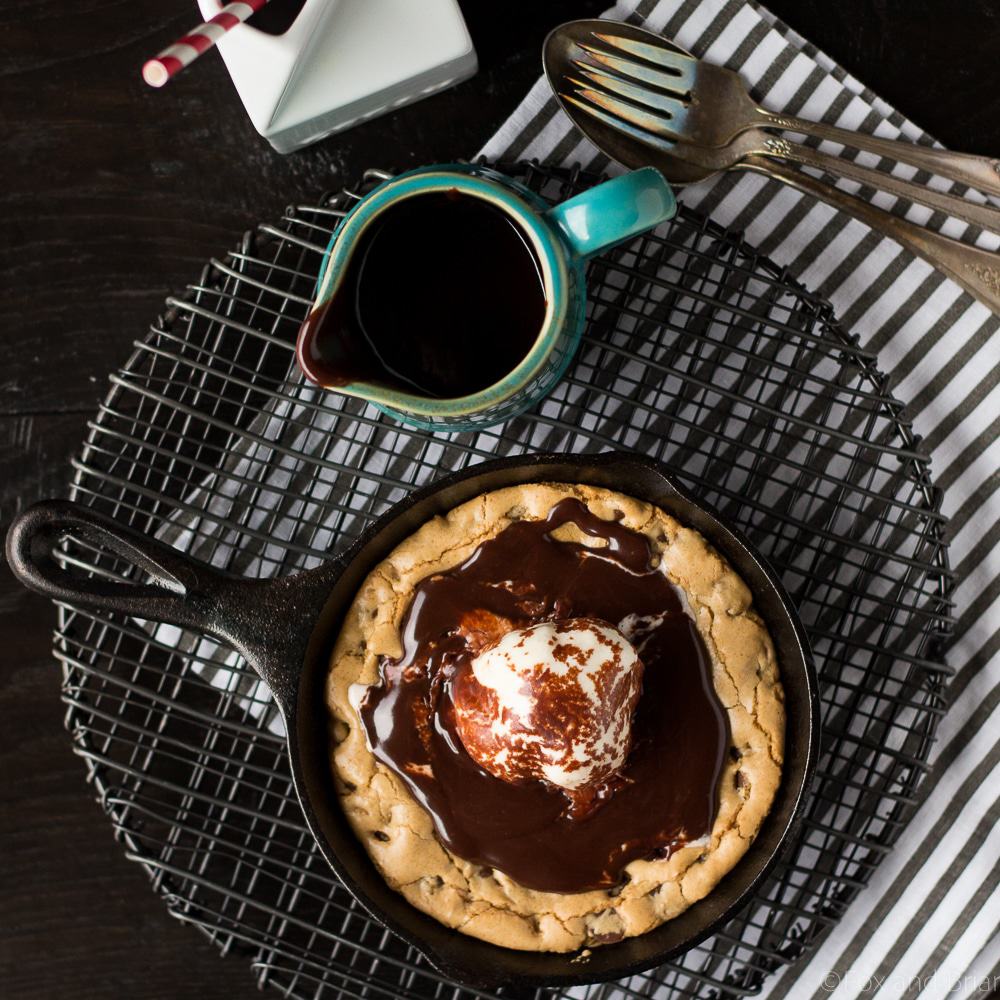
x,y
622,119
681,99
711,106
653,127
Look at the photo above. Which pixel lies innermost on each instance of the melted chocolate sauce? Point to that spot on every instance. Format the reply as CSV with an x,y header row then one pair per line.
x,y
443,296
669,792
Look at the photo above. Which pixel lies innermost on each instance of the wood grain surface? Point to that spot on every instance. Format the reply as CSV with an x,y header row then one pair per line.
x,y
112,195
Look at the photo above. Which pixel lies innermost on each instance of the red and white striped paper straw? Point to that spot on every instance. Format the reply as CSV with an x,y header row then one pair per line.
x,y
156,72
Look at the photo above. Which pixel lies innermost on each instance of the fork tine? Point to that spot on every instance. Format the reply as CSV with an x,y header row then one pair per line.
x,y
678,79
639,72
681,64
648,121
649,138
669,107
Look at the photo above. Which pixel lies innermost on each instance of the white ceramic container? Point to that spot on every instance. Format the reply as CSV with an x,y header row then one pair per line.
x,y
343,61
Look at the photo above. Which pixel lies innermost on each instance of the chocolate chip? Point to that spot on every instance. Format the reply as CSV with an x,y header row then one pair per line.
x,y
740,780
735,754
610,938
379,835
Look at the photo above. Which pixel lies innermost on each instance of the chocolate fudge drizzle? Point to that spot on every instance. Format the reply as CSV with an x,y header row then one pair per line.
x,y
669,792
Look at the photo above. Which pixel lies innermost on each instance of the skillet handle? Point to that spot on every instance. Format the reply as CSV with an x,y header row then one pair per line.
x,y
184,592
272,623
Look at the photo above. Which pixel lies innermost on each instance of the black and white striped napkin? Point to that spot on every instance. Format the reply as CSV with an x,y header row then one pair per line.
x,y
927,924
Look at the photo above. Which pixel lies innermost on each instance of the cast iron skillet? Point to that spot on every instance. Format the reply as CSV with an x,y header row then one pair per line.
x,y
285,629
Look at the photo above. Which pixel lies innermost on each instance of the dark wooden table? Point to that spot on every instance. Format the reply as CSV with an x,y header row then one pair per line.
x,y
112,196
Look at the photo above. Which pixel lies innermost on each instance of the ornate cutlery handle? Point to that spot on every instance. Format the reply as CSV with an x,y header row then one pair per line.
x,y
977,271
980,172
985,216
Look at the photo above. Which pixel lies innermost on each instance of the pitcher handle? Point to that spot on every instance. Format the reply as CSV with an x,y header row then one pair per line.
x,y
614,211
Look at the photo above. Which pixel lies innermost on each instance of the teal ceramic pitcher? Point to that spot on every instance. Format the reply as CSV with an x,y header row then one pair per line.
x,y
562,237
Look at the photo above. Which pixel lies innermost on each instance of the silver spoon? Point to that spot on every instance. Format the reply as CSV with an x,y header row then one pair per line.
x,y
637,129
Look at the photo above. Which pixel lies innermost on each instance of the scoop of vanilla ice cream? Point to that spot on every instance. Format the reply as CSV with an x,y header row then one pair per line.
x,y
552,702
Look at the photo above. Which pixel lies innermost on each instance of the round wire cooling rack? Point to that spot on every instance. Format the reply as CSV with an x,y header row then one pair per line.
x,y
698,352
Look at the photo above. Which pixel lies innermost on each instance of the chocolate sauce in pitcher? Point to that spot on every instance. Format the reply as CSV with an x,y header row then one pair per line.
x,y
669,793
443,296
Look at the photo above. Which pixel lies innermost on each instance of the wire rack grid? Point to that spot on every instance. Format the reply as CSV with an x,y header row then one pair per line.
x,y
698,351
